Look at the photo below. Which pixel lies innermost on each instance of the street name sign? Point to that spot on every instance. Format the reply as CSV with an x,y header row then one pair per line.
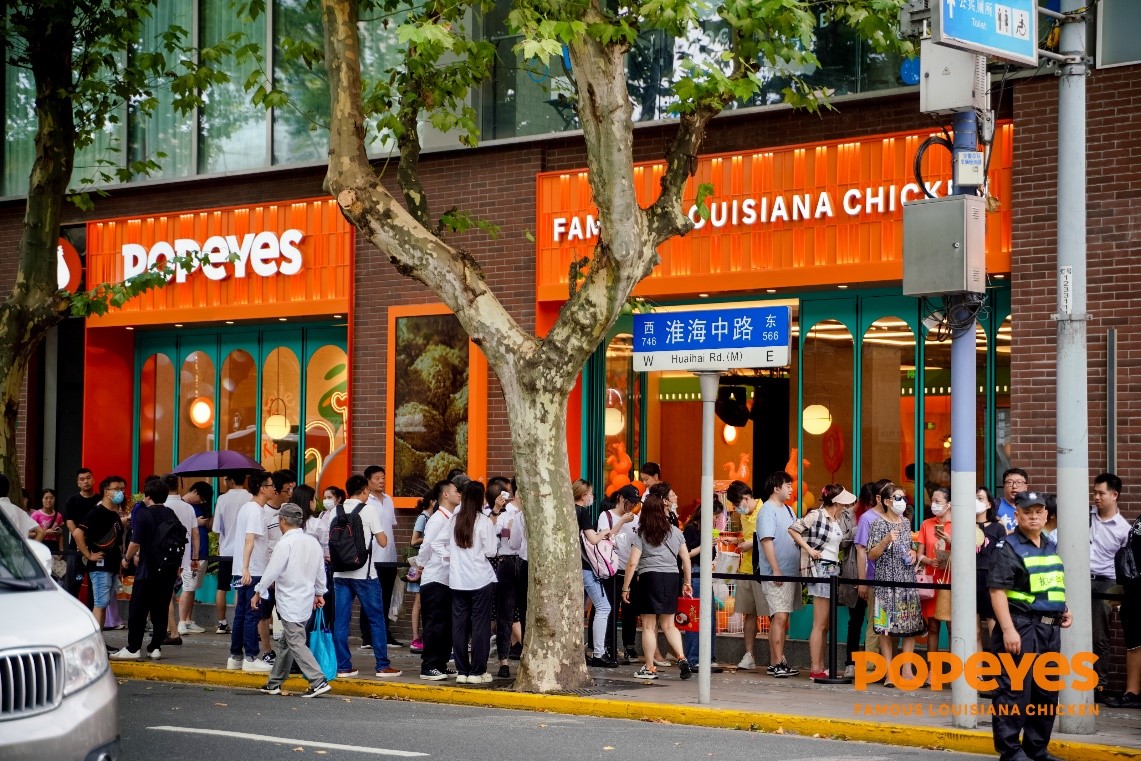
x,y
713,340
1006,29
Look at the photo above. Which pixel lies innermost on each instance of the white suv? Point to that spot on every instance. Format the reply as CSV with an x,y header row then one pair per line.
x,y
58,698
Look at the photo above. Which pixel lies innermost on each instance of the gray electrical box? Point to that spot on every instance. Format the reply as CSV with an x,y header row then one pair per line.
x,y
951,80
944,246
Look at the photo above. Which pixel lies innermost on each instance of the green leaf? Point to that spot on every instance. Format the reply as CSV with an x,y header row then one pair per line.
x,y
704,191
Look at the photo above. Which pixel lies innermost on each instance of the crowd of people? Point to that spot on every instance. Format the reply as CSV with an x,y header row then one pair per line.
x,y
280,547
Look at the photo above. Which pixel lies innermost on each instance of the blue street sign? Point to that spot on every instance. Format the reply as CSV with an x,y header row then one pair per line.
x,y
1006,29
713,339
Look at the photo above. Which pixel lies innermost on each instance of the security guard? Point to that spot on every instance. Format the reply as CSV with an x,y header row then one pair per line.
x,y
1028,591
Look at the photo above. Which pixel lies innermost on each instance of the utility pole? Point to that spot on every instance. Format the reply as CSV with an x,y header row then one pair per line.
x,y
960,312
1072,370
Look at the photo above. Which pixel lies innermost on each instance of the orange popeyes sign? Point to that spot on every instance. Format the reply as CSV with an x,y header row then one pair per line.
x,y
273,260
799,216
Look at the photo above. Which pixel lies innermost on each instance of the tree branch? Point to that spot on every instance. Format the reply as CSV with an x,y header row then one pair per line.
x,y
666,216
408,170
409,244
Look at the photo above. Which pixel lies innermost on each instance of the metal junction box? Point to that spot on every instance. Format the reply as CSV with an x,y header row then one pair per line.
x,y
951,80
944,246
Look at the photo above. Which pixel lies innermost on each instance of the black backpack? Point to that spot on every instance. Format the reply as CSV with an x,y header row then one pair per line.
x,y
169,546
1125,561
349,548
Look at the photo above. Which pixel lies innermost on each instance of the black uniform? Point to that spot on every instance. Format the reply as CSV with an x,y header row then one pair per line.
x,y
1034,582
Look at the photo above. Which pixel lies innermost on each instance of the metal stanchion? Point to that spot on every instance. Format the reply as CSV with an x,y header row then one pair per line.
x,y
833,637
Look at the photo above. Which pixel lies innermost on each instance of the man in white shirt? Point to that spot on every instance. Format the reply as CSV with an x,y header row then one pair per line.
x,y
226,511
250,527
361,583
23,522
1108,532
296,570
187,518
384,558
435,594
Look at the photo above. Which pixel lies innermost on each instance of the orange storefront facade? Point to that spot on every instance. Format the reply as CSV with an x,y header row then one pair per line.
x,y
248,349
818,227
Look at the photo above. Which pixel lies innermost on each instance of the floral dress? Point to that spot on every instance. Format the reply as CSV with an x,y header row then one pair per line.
x,y
897,610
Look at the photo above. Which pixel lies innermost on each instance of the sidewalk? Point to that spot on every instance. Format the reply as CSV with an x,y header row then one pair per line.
x,y
741,700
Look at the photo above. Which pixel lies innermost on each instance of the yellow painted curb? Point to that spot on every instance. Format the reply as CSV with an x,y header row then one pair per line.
x,y
960,740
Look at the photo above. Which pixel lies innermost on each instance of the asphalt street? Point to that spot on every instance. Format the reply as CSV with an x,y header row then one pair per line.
x,y
173,722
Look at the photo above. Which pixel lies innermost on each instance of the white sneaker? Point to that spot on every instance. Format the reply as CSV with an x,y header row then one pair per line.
x,y
850,671
256,665
233,664
747,662
126,655
462,679
484,678
189,627
155,654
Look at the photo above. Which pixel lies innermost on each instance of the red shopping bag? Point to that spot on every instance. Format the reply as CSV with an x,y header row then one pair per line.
x,y
686,618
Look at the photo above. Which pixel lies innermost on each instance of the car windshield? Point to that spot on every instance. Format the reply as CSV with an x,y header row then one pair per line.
x,y
19,568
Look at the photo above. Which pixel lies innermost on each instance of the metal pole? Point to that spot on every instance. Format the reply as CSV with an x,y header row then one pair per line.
x,y
1072,368
709,384
963,480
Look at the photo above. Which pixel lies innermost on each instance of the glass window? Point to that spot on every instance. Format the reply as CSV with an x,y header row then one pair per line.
x,y
326,408
301,128
232,130
19,129
937,410
164,130
431,402
156,415
237,407
280,410
1002,437
622,416
195,405
888,403
828,415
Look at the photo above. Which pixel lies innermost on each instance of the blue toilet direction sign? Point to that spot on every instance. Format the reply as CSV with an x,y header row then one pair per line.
x,y
712,339
1006,29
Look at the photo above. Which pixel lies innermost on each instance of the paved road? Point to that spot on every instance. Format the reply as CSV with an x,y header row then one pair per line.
x,y
175,722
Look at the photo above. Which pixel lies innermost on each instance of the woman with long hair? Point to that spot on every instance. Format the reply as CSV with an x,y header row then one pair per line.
x,y
870,508
988,531
896,611
819,534
654,553
935,557
467,544
583,494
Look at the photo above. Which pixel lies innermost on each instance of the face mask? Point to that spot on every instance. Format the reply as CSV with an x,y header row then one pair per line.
x,y
117,497
981,506
329,503
741,509
899,506
937,509
588,502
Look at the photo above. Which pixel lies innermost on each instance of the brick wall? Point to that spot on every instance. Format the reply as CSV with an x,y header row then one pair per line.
x,y
1113,240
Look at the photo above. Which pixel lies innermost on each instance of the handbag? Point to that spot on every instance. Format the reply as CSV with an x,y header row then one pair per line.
x,y
321,645
1125,559
925,578
687,618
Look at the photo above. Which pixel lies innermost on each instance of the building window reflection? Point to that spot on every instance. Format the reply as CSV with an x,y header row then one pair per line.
x,y
888,413
326,409
156,415
280,409
828,414
196,405
237,409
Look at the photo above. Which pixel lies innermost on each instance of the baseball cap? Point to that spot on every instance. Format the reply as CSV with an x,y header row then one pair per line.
x,y
292,512
1025,499
629,492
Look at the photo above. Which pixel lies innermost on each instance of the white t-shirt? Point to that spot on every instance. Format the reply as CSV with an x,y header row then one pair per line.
x,y
188,519
272,529
1105,539
370,519
226,521
622,539
251,521
21,520
387,513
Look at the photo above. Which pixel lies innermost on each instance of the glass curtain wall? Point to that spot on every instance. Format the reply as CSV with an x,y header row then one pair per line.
x,y
165,136
232,131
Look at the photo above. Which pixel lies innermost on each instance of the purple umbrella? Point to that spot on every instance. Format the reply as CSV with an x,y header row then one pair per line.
x,y
217,463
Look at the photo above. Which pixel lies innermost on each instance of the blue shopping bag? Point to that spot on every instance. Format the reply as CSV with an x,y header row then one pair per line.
x,y
321,643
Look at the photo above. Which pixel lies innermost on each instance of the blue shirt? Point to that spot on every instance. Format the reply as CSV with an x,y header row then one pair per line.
x,y
773,523
1006,515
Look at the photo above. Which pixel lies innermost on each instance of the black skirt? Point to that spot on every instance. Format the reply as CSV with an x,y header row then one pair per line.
x,y
657,593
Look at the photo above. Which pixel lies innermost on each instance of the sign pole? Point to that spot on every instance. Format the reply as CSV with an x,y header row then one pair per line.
x,y
709,384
